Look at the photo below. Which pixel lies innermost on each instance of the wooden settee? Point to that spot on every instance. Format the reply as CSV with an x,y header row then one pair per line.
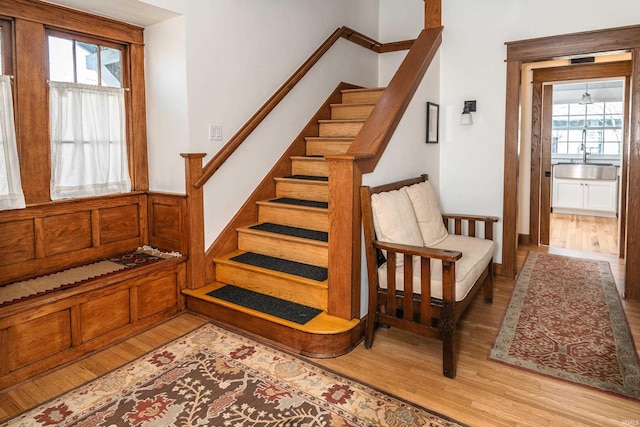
x,y
427,276
45,330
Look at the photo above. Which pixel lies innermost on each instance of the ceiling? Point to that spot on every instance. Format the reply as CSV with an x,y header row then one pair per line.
x,y
132,11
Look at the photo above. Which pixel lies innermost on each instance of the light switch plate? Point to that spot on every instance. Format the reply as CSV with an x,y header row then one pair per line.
x,y
215,133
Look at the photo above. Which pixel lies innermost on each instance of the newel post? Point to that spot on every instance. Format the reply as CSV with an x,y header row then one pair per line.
x,y
432,14
195,210
345,180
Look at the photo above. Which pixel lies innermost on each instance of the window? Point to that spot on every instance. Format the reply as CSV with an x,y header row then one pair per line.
x,y
1,53
598,124
88,119
77,61
11,196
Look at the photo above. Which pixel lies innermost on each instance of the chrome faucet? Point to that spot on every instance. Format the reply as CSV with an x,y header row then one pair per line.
x,y
583,146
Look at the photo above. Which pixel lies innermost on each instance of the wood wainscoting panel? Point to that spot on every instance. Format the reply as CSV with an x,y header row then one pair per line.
x,y
157,294
119,223
18,242
67,233
168,222
105,314
39,338
49,237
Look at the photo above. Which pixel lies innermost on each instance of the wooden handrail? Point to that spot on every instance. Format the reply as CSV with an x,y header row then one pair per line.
x,y
236,140
371,141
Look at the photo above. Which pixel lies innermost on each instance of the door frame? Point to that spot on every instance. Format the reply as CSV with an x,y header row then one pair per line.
x,y
540,149
544,48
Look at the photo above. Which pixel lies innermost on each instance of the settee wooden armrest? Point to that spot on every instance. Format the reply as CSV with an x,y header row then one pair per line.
x,y
421,251
471,220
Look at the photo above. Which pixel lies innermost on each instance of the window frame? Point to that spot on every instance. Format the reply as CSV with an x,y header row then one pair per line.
x,y
83,38
30,21
7,47
125,82
586,117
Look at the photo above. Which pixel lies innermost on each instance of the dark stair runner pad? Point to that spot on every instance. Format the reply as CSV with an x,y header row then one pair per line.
x,y
283,309
309,177
299,202
321,236
282,265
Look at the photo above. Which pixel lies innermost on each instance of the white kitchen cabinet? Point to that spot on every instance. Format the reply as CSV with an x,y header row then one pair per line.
x,y
586,197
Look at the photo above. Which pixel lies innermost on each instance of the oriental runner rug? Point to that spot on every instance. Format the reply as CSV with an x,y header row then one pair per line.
x,y
212,377
566,320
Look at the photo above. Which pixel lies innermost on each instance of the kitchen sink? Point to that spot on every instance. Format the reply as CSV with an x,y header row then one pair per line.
x,y
607,172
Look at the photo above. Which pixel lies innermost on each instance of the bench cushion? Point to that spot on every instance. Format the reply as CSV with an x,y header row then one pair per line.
x,y
476,255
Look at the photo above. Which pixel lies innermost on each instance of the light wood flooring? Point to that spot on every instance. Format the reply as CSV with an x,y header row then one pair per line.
x,y
584,233
484,393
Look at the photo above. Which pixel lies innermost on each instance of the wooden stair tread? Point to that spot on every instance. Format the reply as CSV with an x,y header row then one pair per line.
x,y
363,89
305,179
318,241
323,324
308,158
330,138
312,205
227,260
342,121
354,104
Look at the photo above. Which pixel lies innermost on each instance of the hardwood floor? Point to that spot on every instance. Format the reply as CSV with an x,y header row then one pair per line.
x,y
484,393
584,233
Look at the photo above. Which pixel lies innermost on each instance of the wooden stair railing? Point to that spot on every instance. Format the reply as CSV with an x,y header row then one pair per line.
x,y
197,175
345,174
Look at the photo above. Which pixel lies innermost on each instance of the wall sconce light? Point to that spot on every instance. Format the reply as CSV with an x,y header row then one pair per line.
x,y
466,118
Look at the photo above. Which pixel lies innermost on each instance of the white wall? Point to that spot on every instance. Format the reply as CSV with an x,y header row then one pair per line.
x,y
472,67
167,106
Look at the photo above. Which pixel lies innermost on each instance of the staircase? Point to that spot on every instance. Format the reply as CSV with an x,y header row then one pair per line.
x,y
285,254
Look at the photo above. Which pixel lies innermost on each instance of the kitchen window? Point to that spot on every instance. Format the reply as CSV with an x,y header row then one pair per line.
x,y
595,120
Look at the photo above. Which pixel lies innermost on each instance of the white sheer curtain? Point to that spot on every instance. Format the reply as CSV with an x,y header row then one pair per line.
x,y
88,141
11,196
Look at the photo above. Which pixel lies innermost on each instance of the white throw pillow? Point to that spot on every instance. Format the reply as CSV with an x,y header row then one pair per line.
x,y
427,212
394,220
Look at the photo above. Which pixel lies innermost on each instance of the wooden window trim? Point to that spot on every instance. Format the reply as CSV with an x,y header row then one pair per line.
x,y
7,46
31,21
72,20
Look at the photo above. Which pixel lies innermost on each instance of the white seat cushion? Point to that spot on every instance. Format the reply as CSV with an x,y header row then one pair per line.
x,y
476,255
427,211
394,219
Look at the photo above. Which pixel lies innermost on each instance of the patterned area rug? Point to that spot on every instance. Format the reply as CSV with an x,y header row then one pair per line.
x,y
566,320
212,377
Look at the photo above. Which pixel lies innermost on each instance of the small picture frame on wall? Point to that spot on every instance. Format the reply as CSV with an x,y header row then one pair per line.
x,y
433,123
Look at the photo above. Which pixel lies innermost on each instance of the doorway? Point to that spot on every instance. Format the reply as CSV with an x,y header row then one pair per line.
x,y
571,125
622,39
583,127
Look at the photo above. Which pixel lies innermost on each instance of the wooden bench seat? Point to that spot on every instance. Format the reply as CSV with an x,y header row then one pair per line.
x,y
40,332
